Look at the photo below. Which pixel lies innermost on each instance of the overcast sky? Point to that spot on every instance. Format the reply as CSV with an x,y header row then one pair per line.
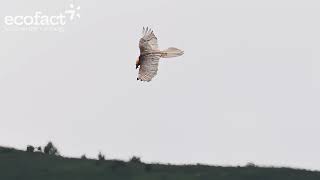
x,y
246,90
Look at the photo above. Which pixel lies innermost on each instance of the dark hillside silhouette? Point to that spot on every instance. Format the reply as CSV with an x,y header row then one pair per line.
x,y
22,165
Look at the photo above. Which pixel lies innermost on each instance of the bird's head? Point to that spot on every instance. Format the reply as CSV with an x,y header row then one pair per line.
x,y
137,63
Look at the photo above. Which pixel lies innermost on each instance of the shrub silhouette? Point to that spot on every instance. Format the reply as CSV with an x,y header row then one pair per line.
x,y
50,149
135,159
39,149
251,164
30,148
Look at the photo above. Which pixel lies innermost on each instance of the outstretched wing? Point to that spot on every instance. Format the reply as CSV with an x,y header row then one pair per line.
x,y
148,42
149,66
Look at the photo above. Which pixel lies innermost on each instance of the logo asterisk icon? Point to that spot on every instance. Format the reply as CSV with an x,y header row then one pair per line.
x,y
73,11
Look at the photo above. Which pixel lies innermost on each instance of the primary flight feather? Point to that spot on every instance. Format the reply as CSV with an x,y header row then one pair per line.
x,y
150,55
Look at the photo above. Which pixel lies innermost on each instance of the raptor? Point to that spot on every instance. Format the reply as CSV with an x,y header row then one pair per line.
x,y
150,55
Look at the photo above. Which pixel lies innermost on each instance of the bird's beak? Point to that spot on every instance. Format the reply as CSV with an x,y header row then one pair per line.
x,y
137,63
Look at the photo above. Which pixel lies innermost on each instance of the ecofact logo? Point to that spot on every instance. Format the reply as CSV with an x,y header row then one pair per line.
x,y
40,21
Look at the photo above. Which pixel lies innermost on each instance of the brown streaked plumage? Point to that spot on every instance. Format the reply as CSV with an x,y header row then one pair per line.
x,y
150,55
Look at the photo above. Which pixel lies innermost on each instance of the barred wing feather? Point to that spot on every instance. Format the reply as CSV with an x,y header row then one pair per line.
x,y
149,67
148,42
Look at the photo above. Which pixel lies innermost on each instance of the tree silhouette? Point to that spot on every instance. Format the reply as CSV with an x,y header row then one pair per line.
x,y
135,159
101,157
84,157
30,148
50,149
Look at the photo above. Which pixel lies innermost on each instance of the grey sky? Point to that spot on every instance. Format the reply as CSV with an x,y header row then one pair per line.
x,y
247,88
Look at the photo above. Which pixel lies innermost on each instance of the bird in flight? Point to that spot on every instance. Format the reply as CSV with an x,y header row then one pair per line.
x,y
150,54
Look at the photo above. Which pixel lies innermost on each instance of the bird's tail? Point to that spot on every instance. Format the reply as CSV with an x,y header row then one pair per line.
x,y
171,52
